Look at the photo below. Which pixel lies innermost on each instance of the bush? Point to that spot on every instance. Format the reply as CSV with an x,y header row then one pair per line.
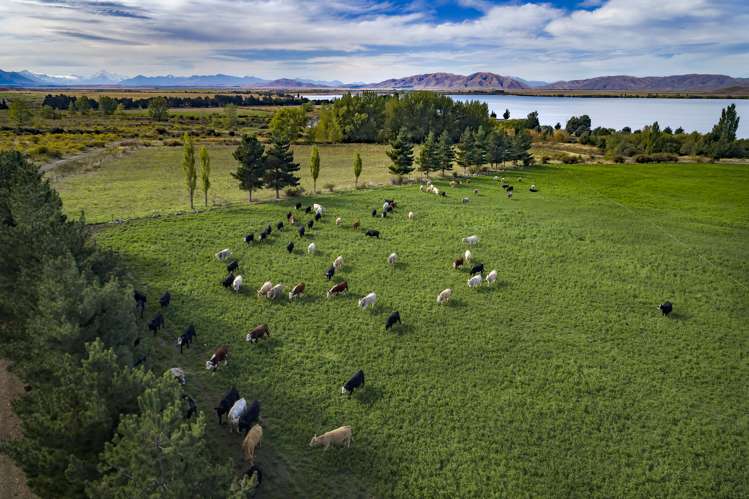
x,y
293,192
545,159
618,159
571,160
661,157
330,186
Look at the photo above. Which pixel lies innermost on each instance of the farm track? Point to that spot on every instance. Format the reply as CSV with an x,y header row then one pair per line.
x,y
12,479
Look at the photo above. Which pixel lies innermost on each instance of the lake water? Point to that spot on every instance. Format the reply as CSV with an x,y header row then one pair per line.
x,y
690,114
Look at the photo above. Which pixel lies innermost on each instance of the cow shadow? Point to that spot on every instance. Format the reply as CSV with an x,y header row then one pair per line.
x,y
679,316
402,329
456,303
369,395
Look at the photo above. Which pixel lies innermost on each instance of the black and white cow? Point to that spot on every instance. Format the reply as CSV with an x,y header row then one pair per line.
x,y
228,280
186,338
234,265
372,233
249,417
477,269
249,238
666,308
353,383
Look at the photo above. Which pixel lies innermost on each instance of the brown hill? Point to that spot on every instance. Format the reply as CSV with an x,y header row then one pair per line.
x,y
450,81
689,82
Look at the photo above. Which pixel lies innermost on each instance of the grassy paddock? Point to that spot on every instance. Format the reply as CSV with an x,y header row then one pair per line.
x,y
563,380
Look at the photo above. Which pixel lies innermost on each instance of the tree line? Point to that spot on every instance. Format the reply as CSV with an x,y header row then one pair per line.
x,y
64,102
93,425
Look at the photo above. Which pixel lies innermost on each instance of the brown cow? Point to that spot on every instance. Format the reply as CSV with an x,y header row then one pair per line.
x,y
220,355
296,291
355,225
339,436
257,333
458,262
339,288
252,442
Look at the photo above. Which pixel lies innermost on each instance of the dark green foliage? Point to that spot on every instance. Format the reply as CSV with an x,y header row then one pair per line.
x,y
429,156
107,105
498,147
506,114
466,150
158,109
279,165
401,153
531,122
446,155
520,147
577,125
251,170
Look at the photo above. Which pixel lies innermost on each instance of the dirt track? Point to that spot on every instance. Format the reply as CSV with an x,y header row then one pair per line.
x,y
12,480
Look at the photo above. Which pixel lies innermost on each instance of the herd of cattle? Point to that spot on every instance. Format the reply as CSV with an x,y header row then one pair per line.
x,y
245,418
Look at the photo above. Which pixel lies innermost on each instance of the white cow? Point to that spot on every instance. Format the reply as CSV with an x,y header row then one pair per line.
x,y
411,215
267,285
275,292
179,374
475,281
471,240
491,278
465,200
223,254
338,221
338,263
236,412
237,283
444,296
318,209
368,301
311,248
467,256
392,259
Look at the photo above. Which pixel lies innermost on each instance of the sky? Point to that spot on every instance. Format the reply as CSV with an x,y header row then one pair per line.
x,y
363,40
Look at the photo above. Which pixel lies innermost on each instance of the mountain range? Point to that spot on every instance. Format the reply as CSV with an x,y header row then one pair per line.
x,y
482,81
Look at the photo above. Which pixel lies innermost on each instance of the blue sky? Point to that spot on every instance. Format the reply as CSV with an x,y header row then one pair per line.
x,y
364,40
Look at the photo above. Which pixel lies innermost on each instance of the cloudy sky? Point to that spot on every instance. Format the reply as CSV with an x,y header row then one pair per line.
x,y
363,40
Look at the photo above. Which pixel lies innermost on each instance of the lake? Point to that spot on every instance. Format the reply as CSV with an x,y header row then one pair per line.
x,y
690,114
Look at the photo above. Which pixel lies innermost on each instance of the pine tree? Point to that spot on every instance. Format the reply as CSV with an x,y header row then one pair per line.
x,y
314,167
466,150
498,147
520,147
205,173
429,155
357,169
401,153
188,167
251,170
280,166
445,152
480,147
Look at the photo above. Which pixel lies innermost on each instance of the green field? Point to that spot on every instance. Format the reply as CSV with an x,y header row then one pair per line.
x,y
562,380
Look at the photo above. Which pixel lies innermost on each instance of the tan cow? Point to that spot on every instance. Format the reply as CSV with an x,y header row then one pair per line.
x,y
339,436
252,442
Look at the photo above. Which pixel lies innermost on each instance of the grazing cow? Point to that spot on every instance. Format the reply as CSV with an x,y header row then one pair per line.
x,y
477,269
252,442
290,247
317,208
223,254
156,323
421,188
289,216
249,238
298,206
443,194
533,188
372,233
339,436
392,259
339,288
458,262
228,280
465,200
444,296
476,191
236,412
491,278
275,292
338,221
256,472
311,248
374,212
140,301
509,194
296,291
368,301
220,355
520,179
260,331
165,299
237,283
384,214
263,236
330,272
510,188
475,281
505,185
666,308
192,407
251,416
308,209
410,215
267,285
234,265
301,231
353,383
310,224
179,374
226,403
338,262
471,240
268,229
392,319
318,216
467,256
356,225
279,226
185,339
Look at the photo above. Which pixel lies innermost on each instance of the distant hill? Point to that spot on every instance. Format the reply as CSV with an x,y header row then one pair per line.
x,y
13,79
217,80
690,82
450,81
100,78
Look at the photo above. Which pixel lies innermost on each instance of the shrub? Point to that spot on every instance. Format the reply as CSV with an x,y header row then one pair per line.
x,y
618,159
293,192
571,160
661,157
545,159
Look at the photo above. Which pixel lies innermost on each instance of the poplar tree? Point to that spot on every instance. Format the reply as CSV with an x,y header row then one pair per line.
x,y
188,167
357,169
205,172
314,167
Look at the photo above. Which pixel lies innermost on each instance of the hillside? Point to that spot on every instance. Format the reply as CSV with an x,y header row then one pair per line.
x,y
450,81
689,82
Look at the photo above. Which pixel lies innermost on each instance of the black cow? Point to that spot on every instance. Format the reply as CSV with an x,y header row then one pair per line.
x,y
308,209
165,299
477,269
136,342
443,194
510,188
353,383
298,206
263,236
140,360
250,416
140,301
249,238
156,323
186,338
330,272
373,233
254,470
228,280
301,231
384,214
318,216
392,319
234,265
310,224
290,247
666,308
192,407
288,216
226,403
279,226
374,212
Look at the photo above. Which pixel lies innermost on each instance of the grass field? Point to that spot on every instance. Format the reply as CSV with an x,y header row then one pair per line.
x,y
562,380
